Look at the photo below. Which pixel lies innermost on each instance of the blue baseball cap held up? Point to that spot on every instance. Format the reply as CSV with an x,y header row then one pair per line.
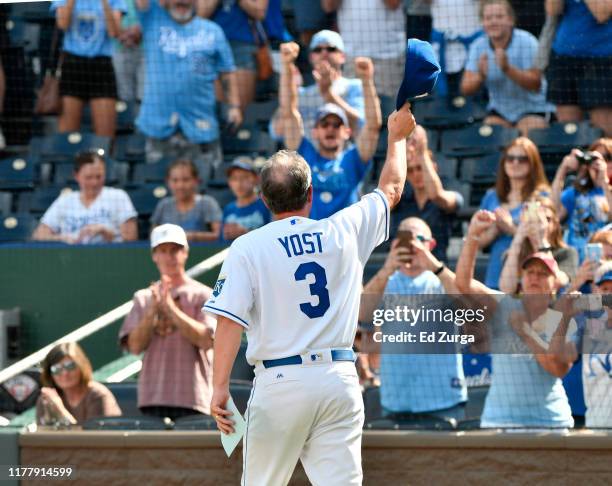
x,y
420,73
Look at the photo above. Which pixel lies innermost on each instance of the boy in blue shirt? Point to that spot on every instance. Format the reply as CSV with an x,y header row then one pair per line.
x,y
248,211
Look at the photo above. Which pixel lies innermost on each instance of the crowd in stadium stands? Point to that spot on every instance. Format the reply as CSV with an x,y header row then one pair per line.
x,y
196,70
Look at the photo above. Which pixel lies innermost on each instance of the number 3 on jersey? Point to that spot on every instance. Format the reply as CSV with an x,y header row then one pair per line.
x,y
318,288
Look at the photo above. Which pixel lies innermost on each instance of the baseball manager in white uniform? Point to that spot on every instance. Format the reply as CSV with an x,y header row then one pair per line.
x,y
294,286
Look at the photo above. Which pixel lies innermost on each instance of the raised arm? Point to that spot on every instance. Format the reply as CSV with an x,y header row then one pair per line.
x,y
554,7
465,282
445,200
292,127
569,164
368,136
393,175
601,9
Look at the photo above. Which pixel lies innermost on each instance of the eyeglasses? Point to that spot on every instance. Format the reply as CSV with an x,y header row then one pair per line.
x,y
422,239
329,49
416,168
521,159
326,124
56,369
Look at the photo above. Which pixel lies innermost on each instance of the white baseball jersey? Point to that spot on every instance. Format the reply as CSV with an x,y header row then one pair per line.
x,y
295,284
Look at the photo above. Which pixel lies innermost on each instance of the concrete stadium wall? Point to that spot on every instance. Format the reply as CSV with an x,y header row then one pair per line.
x,y
59,288
390,458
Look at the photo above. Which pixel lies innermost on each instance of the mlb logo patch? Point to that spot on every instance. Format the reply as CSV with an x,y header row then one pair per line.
x,y
218,286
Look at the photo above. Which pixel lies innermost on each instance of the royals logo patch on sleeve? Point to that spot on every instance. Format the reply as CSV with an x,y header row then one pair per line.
x,y
218,286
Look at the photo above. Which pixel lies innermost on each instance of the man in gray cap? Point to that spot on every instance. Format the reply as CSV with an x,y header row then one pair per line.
x,y
326,57
337,168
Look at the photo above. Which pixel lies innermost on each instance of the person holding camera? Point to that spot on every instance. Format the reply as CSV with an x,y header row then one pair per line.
x,y
415,383
587,202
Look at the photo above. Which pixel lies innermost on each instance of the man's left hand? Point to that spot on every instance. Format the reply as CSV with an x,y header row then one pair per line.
x,y
234,116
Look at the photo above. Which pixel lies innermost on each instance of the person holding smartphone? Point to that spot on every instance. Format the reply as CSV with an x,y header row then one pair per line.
x,y
415,383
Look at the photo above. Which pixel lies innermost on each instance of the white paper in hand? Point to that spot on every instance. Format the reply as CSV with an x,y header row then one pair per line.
x,y
230,441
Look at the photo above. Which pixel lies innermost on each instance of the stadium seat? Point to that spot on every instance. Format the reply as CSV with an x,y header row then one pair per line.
x,y
38,201
130,148
476,140
248,139
128,423
242,370
223,196
145,197
560,138
447,166
17,227
126,394
6,203
17,173
144,172
62,147
371,403
195,422
481,174
126,115
259,114
465,189
445,113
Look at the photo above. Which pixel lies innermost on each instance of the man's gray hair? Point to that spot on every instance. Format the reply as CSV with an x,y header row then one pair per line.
x,y
285,179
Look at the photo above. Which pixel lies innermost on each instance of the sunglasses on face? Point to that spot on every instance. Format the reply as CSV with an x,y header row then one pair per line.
x,y
326,124
521,159
56,369
329,49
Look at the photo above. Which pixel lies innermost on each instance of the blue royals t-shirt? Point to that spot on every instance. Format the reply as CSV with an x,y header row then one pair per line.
x,y
182,62
251,217
580,35
87,36
335,182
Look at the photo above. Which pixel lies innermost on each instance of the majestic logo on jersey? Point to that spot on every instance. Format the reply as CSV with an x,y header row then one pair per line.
x,y
219,286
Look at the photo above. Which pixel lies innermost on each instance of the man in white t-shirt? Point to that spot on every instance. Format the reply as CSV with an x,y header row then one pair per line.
x,y
295,286
374,29
94,213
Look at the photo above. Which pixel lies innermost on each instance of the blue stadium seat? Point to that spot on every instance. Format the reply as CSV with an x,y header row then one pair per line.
x,y
126,394
222,195
17,227
130,148
6,203
38,201
145,197
445,113
248,139
126,116
260,113
17,173
151,172
481,174
63,147
447,166
560,138
140,422
476,140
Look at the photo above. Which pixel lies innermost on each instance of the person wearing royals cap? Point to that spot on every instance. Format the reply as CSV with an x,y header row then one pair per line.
x,y
167,324
337,170
327,58
531,344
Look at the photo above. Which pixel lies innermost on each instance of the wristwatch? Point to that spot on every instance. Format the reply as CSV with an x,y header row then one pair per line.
x,y
440,269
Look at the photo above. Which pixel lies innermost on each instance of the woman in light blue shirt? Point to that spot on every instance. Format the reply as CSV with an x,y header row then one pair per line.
x,y
87,69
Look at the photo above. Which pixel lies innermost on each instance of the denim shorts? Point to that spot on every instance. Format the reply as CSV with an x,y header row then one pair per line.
x,y
244,55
